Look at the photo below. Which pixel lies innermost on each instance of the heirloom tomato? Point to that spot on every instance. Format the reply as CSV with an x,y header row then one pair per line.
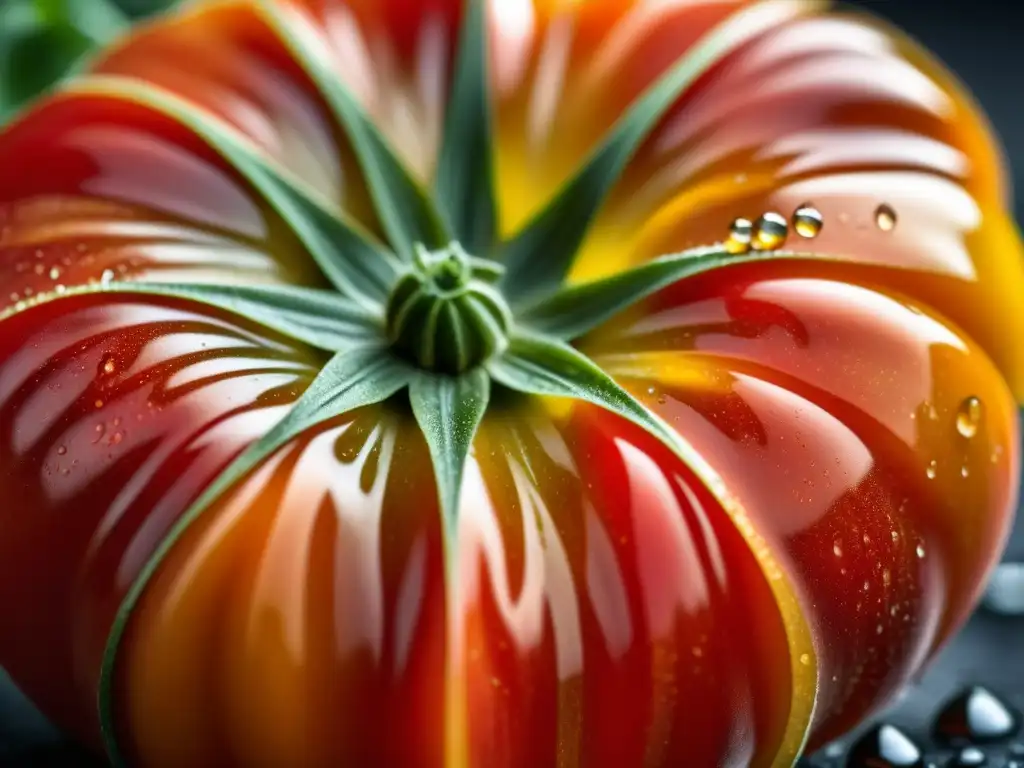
x,y
505,383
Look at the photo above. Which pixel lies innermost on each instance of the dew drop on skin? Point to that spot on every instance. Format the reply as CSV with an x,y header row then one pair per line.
x,y
807,221
968,417
770,232
740,233
885,217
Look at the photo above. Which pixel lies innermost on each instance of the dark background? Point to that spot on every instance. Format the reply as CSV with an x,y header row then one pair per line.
x,y
982,41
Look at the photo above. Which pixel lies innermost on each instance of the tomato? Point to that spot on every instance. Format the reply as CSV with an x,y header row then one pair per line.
x,y
731,519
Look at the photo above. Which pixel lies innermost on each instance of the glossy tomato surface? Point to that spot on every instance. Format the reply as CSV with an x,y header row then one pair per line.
x,y
601,601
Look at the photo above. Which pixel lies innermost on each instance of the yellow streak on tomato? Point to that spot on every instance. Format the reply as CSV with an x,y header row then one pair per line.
x,y
456,721
615,245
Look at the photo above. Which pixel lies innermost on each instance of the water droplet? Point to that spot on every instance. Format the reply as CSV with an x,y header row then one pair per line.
x,y
98,403
54,273
837,548
834,750
116,438
1005,592
740,233
885,745
879,629
107,276
969,757
885,217
108,365
968,417
920,551
805,659
895,536
697,651
975,716
867,586
807,221
964,471
887,577
770,232
61,450
932,470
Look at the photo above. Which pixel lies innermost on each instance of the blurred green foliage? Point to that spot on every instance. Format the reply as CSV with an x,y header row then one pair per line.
x,y
41,41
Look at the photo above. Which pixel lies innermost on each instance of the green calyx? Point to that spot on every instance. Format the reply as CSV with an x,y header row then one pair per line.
x,y
444,314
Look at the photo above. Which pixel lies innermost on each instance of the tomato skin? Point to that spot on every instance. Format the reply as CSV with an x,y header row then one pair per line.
x,y
831,412
279,627
601,601
114,415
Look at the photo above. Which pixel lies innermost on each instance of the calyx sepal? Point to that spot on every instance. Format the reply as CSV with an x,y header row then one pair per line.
x,y
444,313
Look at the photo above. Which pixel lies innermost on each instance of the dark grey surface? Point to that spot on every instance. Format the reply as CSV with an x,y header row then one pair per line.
x,y
989,652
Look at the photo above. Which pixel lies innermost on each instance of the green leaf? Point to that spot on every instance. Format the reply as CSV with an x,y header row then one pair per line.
x,y
465,174
99,20
350,380
142,8
32,59
538,366
324,319
45,41
539,257
576,309
407,214
449,411
359,267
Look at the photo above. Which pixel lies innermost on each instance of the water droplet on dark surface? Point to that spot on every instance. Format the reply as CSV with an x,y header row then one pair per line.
x,y
976,716
885,747
835,749
970,757
1005,592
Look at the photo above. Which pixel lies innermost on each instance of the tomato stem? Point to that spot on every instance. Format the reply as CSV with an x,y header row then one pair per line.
x,y
444,314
